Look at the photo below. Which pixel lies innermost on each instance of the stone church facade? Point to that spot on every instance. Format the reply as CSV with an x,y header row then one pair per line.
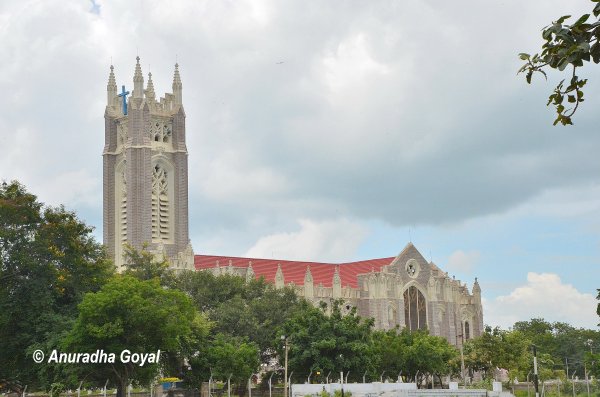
x,y
401,291
146,204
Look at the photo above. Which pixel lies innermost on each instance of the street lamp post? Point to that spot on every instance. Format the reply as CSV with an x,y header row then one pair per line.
x,y
285,380
535,372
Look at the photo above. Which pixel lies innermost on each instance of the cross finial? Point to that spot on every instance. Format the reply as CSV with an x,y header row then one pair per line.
x,y
124,95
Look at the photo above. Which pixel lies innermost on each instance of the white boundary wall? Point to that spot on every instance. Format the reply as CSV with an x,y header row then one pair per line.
x,y
378,389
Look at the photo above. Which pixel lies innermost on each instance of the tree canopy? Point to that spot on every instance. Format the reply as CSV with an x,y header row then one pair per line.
x,y
48,261
566,46
322,342
140,316
415,355
250,309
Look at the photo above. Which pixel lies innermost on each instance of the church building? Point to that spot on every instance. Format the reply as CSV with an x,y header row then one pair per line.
x,y
146,205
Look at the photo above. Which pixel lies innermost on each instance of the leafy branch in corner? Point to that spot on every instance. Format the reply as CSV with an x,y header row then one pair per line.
x,y
566,45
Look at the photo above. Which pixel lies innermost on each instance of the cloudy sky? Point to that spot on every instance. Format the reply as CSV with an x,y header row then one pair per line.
x,y
331,131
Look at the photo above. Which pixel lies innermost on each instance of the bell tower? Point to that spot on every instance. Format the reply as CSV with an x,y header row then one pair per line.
x,y
146,171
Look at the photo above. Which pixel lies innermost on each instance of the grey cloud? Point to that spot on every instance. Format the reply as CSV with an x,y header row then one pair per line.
x,y
443,131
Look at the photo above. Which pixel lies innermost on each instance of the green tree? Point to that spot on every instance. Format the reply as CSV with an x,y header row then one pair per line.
x,y
566,45
561,343
327,342
233,356
415,354
207,290
389,352
429,355
140,316
252,309
48,261
223,356
144,265
497,348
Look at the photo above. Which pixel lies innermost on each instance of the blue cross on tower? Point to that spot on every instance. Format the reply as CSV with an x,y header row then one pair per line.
x,y
124,95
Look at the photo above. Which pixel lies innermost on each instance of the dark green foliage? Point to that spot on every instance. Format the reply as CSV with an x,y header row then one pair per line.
x,y
414,354
48,261
561,342
566,46
327,342
144,265
497,348
251,309
140,316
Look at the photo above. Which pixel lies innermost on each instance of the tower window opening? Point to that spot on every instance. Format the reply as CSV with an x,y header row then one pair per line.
x,y
160,204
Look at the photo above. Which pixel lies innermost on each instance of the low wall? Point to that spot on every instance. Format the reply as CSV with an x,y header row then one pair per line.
x,y
378,389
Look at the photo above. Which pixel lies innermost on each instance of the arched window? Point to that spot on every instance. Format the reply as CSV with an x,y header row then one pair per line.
x,y
160,203
415,309
467,331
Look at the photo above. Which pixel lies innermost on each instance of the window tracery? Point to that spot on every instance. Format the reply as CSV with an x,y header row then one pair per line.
x,y
415,309
160,203
161,131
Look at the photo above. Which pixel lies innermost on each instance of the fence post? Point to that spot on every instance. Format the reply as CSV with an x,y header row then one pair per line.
x,y
288,392
229,386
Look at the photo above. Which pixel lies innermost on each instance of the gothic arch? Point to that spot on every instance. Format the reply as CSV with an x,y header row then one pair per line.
x,y
162,199
120,212
414,283
415,307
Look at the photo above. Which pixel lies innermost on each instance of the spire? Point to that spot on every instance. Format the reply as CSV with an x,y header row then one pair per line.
x,y
476,287
177,86
111,87
279,280
138,80
150,90
336,276
308,275
309,289
337,283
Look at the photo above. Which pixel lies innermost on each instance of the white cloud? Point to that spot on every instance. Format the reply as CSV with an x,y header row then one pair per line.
x,y
464,262
545,296
350,64
326,241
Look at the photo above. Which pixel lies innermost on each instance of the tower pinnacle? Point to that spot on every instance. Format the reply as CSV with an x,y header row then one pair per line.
x,y
111,87
150,90
177,86
138,80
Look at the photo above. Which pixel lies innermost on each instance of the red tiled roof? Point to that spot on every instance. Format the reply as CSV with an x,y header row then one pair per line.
x,y
294,271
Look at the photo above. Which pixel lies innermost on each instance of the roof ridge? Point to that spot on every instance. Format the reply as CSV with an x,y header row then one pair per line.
x,y
293,261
